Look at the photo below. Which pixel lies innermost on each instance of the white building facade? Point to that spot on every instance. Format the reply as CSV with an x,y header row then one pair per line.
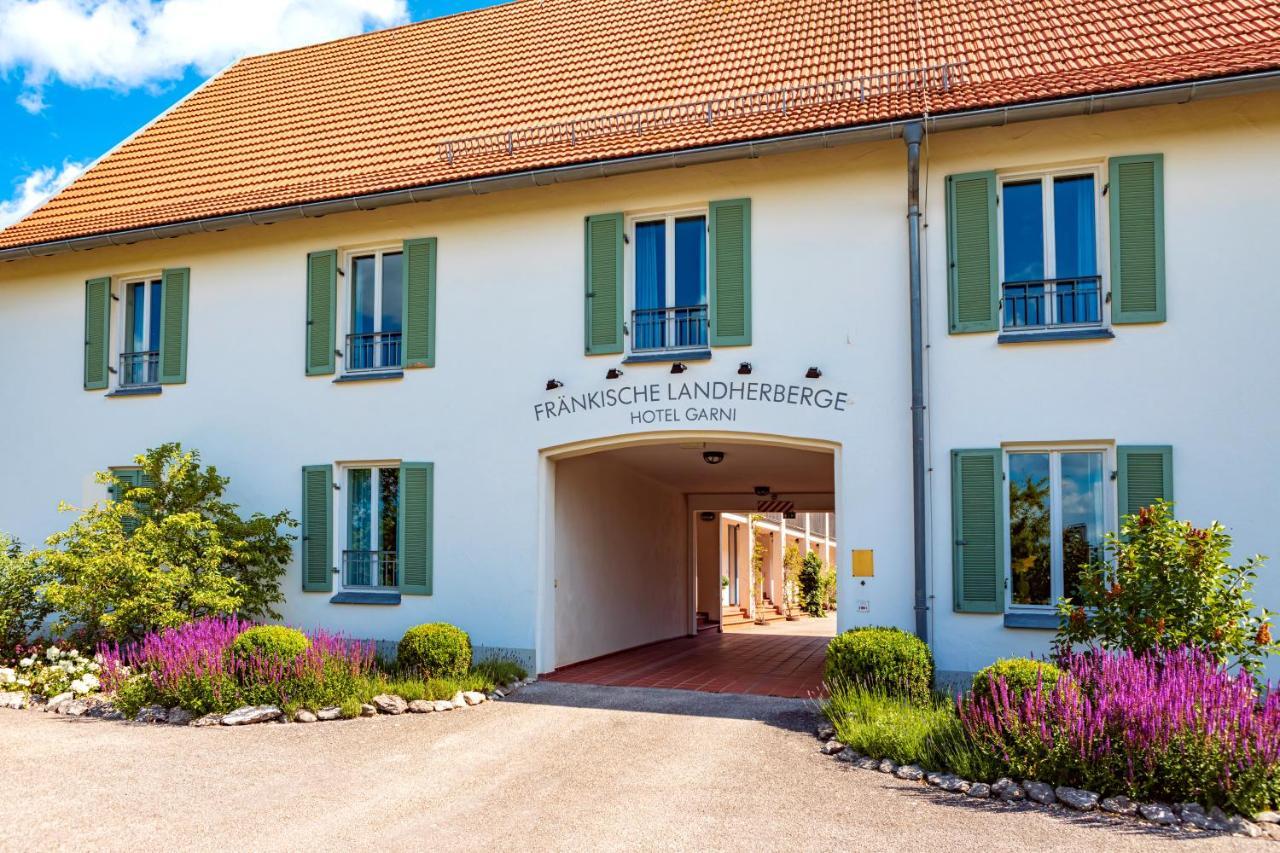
x,y
426,388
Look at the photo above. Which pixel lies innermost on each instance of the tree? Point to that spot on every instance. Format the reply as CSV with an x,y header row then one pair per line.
x,y
757,568
1168,584
161,554
791,565
23,607
812,589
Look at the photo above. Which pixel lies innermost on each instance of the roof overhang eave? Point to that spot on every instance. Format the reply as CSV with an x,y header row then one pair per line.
x,y
1172,93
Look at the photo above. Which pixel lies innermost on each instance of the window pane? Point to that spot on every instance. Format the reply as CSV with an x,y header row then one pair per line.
x,y
137,309
362,294
389,503
1029,539
392,292
691,260
153,332
651,284
359,509
1023,231
1081,515
1075,247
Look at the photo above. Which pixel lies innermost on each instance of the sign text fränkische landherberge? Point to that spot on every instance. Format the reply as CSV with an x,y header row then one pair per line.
x,y
656,402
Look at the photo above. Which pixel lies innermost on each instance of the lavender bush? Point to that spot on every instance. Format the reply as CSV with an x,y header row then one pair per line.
x,y
191,666
1165,725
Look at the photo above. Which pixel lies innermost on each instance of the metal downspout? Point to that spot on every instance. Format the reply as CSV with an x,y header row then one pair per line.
x,y
912,134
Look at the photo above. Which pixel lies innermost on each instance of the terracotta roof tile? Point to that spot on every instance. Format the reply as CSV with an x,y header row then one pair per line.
x,y
370,113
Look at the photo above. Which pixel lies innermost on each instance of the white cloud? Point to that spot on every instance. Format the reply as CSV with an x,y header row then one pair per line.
x,y
126,44
32,190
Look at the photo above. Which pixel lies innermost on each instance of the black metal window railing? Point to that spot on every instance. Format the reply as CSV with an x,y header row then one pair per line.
x,y
1052,303
370,569
373,351
667,329
139,368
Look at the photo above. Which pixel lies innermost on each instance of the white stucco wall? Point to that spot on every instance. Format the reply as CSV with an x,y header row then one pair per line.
x,y
829,289
622,559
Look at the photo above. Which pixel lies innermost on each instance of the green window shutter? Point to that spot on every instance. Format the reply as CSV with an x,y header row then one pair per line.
x,y
317,528
1144,473
729,227
1136,190
416,542
973,289
420,302
97,332
126,479
604,283
173,326
978,529
322,311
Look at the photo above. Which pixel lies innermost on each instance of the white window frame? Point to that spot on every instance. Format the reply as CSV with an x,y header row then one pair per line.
x,y
629,263
1102,228
119,339
1109,504
346,300
341,502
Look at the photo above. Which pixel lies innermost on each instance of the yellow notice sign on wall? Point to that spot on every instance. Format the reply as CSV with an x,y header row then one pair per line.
x,y
864,563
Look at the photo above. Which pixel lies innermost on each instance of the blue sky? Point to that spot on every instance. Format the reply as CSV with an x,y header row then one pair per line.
x,y
78,76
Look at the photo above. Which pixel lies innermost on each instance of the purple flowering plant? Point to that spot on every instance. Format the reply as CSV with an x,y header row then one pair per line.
x,y
192,666
1164,725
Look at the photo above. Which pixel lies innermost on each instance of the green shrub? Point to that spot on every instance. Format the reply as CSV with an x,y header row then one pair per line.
x,y
269,642
1020,674
23,607
884,659
812,592
930,734
1165,584
435,650
501,671
349,708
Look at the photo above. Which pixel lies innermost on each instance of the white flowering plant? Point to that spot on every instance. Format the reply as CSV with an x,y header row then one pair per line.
x,y
53,672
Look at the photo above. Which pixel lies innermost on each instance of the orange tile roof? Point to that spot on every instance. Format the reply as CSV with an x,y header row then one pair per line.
x,y
371,113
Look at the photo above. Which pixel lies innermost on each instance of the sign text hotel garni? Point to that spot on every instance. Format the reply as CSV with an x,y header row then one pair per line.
x,y
712,400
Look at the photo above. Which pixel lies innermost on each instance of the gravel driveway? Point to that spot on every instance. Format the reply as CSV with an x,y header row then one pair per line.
x,y
559,766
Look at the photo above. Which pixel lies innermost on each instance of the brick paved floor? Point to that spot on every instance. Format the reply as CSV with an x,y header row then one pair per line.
x,y
778,659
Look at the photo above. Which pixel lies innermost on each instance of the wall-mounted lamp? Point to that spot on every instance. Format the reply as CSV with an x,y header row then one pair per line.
x,y
614,373
707,516
679,367
813,373
553,384
744,369
713,457
791,514
761,491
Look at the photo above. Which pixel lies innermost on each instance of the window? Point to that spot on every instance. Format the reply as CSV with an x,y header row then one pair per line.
x,y
140,347
369,556
377,310
669,282
1058,509
1049,251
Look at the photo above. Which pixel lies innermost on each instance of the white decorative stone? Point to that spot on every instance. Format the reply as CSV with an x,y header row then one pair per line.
x,y
826,731
389,703
180,717
1267,817
152,714
1119,805
207,720
458,700
910,772
954,784
473,697
499,693
13,699
333,712
250,714
56,701
866,762
1084,801
831,747
887,766
1192,814
367,710
304,716
1039,792
1158,813
421,706
979,790
847,754
77,707
933,777
1008,790
443,705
